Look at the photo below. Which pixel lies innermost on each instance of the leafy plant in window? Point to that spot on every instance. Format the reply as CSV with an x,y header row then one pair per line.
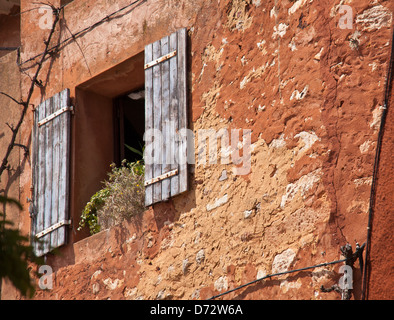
x,y
121,198
89,213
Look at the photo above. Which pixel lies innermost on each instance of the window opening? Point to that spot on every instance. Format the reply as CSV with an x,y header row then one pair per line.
x,y
129,126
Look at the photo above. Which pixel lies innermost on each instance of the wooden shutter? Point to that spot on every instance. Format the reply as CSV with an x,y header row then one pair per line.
x,y
50,165
165,118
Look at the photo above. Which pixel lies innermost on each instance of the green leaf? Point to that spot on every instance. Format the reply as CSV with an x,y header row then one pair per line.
x,y
134,150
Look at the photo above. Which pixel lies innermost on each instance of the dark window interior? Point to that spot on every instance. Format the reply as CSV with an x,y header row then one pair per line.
x,y
129,125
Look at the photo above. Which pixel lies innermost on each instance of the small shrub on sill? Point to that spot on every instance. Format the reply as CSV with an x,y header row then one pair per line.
x,y
89,213
121,198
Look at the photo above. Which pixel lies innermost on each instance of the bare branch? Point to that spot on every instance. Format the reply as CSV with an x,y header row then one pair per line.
x,y
12,98
10,126
25,148
12,144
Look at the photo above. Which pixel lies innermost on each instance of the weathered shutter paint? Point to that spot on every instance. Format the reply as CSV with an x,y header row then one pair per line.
x,y
166,111
50,165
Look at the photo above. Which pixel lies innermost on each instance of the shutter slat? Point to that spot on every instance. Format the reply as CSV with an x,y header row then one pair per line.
x,y
165,114
182,42
48,174
41,177
55,177
64,167
56,174
174,112
148,123
157,143
51,172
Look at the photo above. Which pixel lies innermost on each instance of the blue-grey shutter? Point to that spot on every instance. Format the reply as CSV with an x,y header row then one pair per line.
x,y
165,118
50,165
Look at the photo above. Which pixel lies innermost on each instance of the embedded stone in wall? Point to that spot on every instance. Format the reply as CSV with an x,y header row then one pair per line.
x,y
279,31
200,256
375,18
223,176
247,213
218,202
221,284
309,138
286,285
185,266
283,261
376,117
296,6
278,143
299,95
112,285
195,294
95,288
261,274
303,185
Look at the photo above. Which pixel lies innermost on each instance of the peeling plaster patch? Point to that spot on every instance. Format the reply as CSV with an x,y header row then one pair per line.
x,y
309,138
257,3
200,256
296,6
286,285
253,74
320,276
221,284
160,295
196,294
375,18
247,213
292,45
357,206
283,261
274,12
363,181
209,98
278,143
299,95
112,285
365,146
96,274
261,274
129,292
261,46
210,54
223,175
303,185
376,117
373,66
238,16
218,202
335,9
318,55
279,30
355,40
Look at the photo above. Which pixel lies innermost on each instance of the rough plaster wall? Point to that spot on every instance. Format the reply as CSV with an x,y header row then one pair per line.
x,y
312,99
9,182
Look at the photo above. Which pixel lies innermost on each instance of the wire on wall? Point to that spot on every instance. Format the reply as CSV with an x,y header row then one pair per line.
x,y
278,274
83,31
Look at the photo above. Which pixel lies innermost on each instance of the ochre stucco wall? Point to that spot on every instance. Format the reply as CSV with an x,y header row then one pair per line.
x,y
311,93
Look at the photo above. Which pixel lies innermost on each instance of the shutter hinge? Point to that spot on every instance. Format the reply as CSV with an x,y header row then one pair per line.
x,y
161,177
55,114
161,59
52,228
